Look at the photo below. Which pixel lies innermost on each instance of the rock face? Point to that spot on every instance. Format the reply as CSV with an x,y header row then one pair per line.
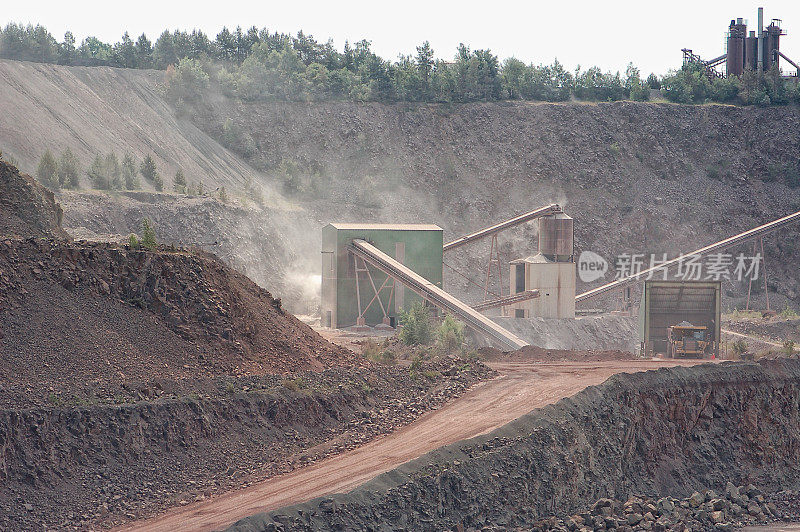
x,y
276,247
637,177
27,209
665,432
87,463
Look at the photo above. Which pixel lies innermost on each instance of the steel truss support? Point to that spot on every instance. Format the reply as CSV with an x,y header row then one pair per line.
x,y
494,259
756,244
364,268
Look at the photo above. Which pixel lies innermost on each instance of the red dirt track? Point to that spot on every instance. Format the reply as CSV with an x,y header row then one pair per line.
x,y
520,388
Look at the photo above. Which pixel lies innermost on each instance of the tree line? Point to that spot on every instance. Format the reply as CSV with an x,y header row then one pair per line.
x,y
256,64
107,172
691,85
259,64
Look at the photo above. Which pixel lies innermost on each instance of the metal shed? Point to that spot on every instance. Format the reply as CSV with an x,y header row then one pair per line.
x,y
349,284
667,303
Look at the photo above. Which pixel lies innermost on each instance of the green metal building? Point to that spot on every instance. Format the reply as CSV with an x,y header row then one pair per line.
x,y
350,286
668,303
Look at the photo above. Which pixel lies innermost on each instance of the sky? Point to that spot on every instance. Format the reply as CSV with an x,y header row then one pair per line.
x,y
607,34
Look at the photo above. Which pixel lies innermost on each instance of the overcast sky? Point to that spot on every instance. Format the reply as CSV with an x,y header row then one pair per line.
x,y
604,33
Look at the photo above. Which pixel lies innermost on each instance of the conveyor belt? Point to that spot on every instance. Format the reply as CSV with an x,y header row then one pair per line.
x,y
522,218
472,318
722,244
505,301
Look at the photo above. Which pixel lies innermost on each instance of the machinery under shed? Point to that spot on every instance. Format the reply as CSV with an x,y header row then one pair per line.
x,y
370,272
667,304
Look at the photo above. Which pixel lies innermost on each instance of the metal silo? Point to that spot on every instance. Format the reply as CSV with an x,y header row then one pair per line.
x,y
556,237
772,43
751,51
735,54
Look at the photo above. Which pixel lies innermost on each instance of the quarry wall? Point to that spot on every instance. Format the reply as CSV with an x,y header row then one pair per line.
x,y
664,432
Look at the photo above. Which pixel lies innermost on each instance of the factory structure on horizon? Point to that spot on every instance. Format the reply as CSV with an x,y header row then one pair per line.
x,y
757,50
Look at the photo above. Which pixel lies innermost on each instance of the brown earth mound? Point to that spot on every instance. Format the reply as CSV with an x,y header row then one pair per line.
x,y
531,353
78,315
27,209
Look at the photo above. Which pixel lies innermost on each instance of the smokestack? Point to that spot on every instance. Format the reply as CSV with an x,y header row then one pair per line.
x,y
760,39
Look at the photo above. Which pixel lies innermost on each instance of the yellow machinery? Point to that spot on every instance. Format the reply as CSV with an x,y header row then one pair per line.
x,y
688,341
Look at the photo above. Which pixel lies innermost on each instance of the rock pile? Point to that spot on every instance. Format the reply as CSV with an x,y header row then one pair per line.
x,y
76,312
736,507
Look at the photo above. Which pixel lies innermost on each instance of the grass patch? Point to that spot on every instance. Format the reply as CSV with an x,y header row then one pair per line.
x,y
431,375
788,313
382,355
297,384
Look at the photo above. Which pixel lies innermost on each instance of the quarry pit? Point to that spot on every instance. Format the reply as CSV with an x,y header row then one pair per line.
x,y
249,371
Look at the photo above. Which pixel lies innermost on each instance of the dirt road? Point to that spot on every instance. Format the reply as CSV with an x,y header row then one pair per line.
x,y
520,388
749,337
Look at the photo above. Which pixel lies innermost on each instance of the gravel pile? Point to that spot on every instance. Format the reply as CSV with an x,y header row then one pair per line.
x,y
79,316
735,507
608,332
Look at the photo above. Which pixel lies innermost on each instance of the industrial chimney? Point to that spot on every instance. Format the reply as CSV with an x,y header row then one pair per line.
x,y
760,55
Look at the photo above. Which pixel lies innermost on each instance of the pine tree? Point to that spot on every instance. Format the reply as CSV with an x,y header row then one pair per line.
x,y
125,52
144,52
150,172
223,195
148,168
180,182
425,65
47,170
66,51
68,171
97,173
130,176
148,235
113,171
